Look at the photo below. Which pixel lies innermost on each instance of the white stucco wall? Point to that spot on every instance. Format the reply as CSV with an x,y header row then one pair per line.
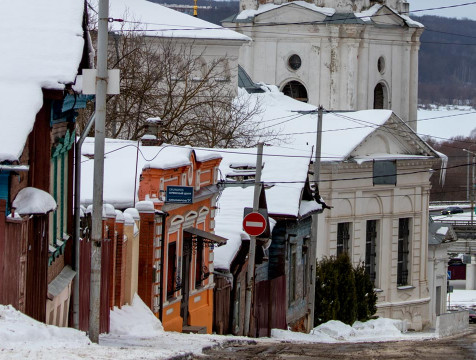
x,y
357,201
339,61
437,275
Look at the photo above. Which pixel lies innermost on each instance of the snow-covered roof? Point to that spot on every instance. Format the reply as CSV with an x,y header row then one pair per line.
x,y
249,13
284,168
120,167
366,15
158,20
31,200
295,123
41,42
358,17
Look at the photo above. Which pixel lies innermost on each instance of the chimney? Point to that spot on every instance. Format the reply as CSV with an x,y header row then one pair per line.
x,y
153,132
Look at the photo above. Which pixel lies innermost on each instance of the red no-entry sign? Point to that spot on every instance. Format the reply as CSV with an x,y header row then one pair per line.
x,y
254,224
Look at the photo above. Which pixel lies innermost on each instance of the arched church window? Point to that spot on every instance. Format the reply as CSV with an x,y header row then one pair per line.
x,y
380,96
296,90
294,62
381,64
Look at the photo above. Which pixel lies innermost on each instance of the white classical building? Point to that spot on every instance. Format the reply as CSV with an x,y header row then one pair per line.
x,y
207,42
341,54
379,189
375,176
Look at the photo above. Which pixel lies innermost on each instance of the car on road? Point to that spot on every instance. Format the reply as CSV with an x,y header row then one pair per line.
x,y
472,316
452,210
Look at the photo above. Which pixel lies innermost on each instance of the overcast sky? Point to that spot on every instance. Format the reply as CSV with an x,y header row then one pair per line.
x,y
468,11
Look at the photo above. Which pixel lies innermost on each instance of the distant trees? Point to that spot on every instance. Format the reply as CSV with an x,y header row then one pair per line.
x,y
342,292
189,90
455,185
446,64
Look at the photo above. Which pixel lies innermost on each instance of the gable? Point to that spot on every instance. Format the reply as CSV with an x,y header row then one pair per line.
x,y
386,16
394,137
289,14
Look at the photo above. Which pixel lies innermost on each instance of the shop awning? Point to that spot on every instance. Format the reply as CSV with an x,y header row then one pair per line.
x,y
206,235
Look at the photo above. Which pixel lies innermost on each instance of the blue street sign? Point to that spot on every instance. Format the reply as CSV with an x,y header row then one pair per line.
x,y
448,275
179,194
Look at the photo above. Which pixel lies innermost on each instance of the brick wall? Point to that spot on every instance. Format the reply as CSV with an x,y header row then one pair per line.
x,y
121,252
146,257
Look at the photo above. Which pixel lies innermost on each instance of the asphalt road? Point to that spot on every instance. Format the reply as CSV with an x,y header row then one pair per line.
x,y
462,347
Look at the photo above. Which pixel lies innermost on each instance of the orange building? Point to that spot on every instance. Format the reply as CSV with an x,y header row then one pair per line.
x,y
176,238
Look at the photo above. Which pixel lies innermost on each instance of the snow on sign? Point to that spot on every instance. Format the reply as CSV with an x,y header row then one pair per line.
x,y
254,224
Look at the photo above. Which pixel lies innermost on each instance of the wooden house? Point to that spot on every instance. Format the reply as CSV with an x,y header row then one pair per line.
x,y
36,156
283,264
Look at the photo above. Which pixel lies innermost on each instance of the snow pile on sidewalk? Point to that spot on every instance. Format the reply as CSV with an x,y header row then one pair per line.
x,y
135,334
135,320
335,331
18,330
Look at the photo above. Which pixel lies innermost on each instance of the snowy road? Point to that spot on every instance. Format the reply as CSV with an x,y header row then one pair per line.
x,y
461,347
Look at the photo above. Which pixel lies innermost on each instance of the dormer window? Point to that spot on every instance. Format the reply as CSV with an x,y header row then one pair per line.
x,y
242,172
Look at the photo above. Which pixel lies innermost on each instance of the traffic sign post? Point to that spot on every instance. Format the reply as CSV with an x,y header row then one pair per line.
x,y
254,224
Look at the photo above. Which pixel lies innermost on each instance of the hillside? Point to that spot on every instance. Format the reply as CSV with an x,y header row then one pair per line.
x,y
447,61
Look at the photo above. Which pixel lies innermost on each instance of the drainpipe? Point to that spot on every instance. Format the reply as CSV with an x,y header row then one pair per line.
x,y
77,217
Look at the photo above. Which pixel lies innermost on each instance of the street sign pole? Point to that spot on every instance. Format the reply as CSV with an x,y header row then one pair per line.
x,y
251,258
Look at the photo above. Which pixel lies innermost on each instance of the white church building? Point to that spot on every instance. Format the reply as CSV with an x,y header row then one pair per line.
x,y
341,54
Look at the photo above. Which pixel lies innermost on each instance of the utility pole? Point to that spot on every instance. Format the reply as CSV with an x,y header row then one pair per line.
x,y
98,181
313,254
472,190
250,277
467,176
472,183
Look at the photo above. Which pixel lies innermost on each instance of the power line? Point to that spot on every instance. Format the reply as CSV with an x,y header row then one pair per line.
x,y
185,27
287,156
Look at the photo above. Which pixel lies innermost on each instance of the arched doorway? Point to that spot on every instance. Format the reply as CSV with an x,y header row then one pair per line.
x,y
380,96
296,90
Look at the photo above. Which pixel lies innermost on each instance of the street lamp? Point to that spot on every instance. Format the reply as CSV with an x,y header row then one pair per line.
x,y
472,182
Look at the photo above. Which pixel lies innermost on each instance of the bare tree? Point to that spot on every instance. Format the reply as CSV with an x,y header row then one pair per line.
x,y
170,79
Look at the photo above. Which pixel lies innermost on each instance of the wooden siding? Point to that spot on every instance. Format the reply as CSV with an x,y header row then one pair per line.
x,y
37,268
222,301
278,303
13,260
40,150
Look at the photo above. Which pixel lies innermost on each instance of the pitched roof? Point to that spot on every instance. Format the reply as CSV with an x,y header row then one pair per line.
x,y
158,20
120,167
284,170
331,16
343,134
41,42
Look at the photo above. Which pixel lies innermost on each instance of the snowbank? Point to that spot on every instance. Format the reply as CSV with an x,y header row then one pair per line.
x,y
19,330
135,320
377,330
